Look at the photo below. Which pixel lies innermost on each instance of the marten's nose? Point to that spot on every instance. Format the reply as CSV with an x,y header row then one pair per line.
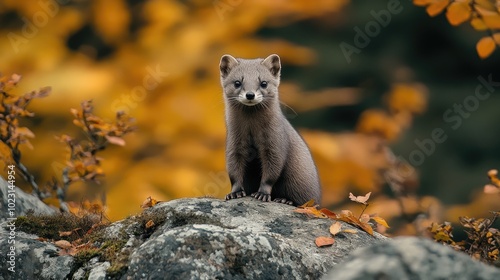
x,y
250,95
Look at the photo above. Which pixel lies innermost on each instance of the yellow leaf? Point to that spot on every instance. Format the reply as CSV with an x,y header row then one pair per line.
x,y
380,221
496,37
350,231
486,4
458,12
478,24
437,7
485,47
441,236
492,21
310,203
335,228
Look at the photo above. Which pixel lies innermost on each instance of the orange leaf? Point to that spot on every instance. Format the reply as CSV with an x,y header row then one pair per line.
x,y
149,202
485,47
458,12
380,221
149,224
492,174
335,228
492,21
324,241
328,213
311,211
437,7
360,199
348,217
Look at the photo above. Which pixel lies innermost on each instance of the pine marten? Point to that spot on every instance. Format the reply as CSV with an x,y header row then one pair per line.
x,y
265,156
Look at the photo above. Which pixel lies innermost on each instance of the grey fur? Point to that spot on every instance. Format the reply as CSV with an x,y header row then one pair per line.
x,y
265,156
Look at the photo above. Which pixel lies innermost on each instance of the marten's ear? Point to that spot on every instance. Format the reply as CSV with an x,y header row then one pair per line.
x,y
272,63
227,63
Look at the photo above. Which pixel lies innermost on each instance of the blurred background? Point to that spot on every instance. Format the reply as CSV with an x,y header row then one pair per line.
x,y
368,84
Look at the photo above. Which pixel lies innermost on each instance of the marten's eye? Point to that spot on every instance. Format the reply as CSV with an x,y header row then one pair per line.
x,y
263,84
237,84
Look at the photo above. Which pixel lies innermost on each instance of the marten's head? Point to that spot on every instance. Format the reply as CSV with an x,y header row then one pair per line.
x,y
250,81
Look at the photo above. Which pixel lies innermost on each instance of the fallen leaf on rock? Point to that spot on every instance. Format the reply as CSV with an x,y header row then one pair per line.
x,y
324,241
335,228
63,244
149,224
328,213
149,202
310,203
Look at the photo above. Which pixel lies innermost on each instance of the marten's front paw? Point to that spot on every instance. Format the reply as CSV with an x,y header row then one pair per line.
x,y
238,194
261,196
284,201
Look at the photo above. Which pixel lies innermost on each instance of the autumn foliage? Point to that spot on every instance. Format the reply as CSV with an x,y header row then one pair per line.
x,y
482,15
157,61
364,221
83,164
483,238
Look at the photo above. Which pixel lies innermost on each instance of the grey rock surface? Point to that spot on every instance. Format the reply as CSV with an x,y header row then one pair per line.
x,y
239,239
410,258
203,239
32,259
23,202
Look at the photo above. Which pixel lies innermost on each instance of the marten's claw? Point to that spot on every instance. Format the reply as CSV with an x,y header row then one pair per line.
x,y
233,195
262,196
284,201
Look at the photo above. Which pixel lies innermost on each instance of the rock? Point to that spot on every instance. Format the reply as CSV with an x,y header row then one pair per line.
x,y
23,202
239,239
32,259
27,257
410,258
204,239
